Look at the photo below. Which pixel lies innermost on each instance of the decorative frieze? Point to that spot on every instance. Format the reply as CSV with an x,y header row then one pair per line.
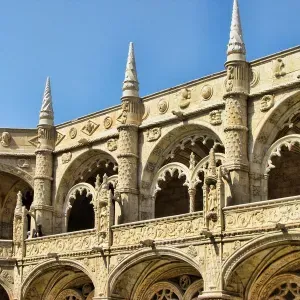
x,y
170,228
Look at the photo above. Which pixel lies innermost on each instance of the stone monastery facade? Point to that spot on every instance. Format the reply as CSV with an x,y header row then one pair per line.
x,y
189,193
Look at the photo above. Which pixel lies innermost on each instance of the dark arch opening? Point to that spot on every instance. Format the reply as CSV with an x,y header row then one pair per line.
x,y
173,198
3,294
285,177
82,214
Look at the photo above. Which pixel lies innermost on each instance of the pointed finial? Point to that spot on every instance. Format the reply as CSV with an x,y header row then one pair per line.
x,y
131,84
211,177
236,44
46,113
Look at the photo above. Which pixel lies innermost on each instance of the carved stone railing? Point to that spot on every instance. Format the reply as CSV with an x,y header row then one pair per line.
x,y
263,215
6,248
61,244
163,229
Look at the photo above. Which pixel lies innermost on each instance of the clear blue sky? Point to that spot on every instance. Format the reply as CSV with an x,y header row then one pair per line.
x,y
82,45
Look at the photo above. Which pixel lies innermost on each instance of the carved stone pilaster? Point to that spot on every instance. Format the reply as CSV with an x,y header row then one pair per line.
x,y
19,229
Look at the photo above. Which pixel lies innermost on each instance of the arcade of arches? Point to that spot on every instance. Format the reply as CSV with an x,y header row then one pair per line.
x,y
189,193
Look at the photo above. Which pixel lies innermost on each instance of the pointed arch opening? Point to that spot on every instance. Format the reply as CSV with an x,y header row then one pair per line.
x,y
10,185
3,294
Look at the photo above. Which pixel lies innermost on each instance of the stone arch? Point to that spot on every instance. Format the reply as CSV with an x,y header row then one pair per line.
x,y
275,150
273,120
168,142
6,287
17,172
46,266
82,166
79,188
170,168
254,247
144,255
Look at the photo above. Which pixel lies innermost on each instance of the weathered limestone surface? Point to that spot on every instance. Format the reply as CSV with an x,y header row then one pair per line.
x,y
189,193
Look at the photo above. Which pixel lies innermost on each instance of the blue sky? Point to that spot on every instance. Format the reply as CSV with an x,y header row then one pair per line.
x,y
82,45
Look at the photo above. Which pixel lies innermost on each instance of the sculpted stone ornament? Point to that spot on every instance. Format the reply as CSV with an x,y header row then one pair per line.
x,y
5,139
66,157
206,92
146,112
122,118
153,134
163,106
266,102
229,79
254,77
279,66
112,145
73,133
185,98
212,198
23,163
192,161
59,137
90,127
215,117
107,122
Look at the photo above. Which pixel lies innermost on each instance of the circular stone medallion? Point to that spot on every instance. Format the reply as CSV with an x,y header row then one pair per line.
x,y
163,106
206,92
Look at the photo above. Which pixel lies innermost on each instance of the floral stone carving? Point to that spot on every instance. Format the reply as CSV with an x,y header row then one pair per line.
x,y
23,163
153,134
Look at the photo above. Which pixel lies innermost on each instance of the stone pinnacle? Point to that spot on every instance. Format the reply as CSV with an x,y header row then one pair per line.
x,y
46,113
236,43
130,85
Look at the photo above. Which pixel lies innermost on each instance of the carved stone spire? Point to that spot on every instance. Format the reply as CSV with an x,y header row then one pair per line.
x,y
236,46
46,113
131,84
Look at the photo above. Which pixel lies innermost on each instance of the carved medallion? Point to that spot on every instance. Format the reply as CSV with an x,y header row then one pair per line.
x,y
5,139
66,157
185,98
163,106
206,92
73,133
185,282
89,128
254,77
23,163
279,67
108,122
215,117
112,145
266,102
153,134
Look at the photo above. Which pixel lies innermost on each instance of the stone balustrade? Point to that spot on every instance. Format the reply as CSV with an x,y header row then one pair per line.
x,y
163,229
266,215
61,244
6,247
